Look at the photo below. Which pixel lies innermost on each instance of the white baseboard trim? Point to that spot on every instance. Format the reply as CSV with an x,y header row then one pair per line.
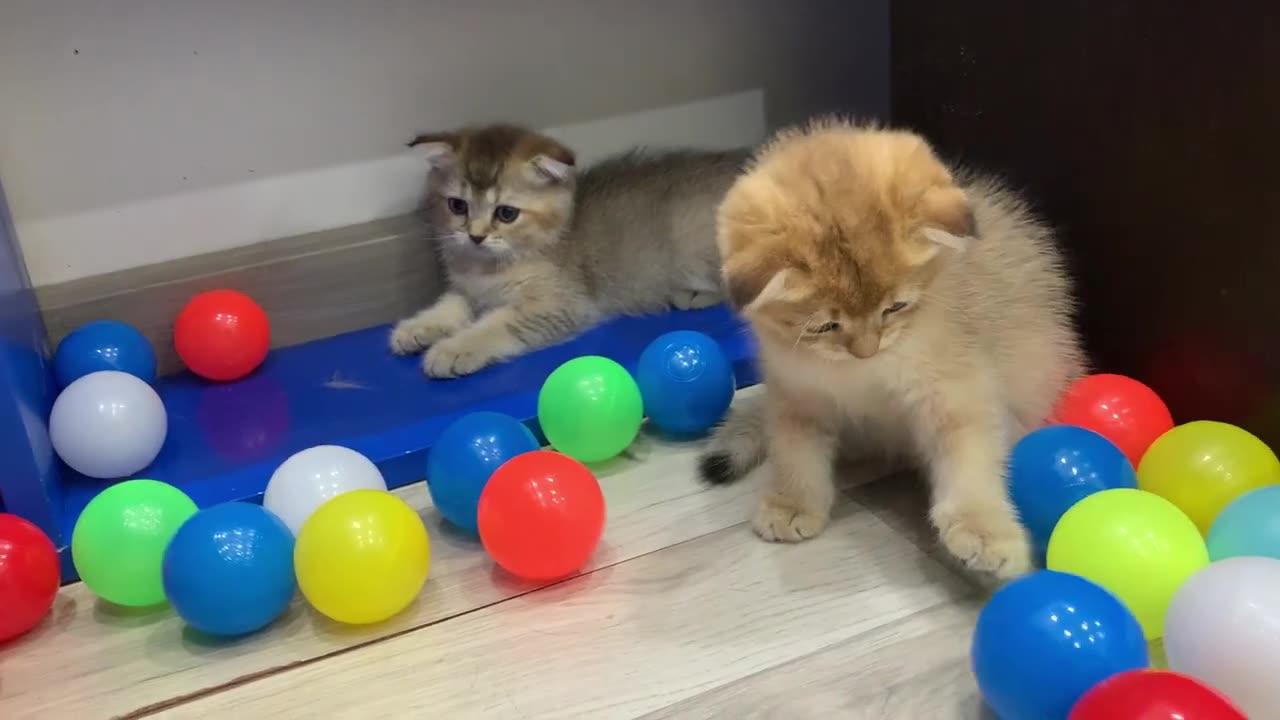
x,y
63,248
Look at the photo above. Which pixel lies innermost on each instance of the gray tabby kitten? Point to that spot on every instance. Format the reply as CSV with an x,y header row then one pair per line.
x,y
536,252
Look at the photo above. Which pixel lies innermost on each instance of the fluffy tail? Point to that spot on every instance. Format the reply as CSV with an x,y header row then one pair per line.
x,y
738,445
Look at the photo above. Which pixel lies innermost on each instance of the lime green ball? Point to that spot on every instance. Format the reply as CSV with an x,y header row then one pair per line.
x,y
1135,544
119,541
590,408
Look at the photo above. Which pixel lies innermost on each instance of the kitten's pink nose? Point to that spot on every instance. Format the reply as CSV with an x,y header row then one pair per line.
x,y
477,239
865,345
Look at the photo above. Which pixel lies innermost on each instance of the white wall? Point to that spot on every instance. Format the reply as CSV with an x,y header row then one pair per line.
x,y
134,131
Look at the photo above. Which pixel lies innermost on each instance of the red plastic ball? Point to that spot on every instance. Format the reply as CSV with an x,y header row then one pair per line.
x,y
222,335
1119,408
541,515
29,576
1153,695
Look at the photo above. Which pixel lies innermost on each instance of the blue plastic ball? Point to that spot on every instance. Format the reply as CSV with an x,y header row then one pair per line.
x,y
103,345
1055,467
1248,526
465,456
229,569
686,382
1045,639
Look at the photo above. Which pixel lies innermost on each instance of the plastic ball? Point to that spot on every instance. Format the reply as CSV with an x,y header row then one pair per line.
x,y
1250,525
29,576
1224,628
1054,467
108,425
1204,465
1154,695
103,345
1044,639
686,382
229,569
466,455
222,335
362,557
1137,545
590,408
541,516
312,477
1119,408
119,540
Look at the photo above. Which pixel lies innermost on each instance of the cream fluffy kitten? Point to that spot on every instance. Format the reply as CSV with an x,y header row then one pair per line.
x,y
536,251
900,309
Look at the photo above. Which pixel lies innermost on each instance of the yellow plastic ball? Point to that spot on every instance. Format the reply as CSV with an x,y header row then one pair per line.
x,y
1202,466
362,557
1137,545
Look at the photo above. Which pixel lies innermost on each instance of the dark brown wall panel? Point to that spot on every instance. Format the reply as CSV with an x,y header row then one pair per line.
x,y
1147,133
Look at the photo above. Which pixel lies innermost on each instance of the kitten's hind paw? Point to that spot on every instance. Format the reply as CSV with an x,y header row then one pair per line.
x,y
779,523
985,543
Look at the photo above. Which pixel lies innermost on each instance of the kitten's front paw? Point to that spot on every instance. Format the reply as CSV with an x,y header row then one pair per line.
x,y
451,358
986,543
782,523
694,299
413,336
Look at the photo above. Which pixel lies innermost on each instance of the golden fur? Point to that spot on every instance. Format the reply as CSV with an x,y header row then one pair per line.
x,y
898,308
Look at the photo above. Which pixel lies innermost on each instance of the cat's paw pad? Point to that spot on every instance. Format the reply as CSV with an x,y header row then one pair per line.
x,y
450,359
993,546
414,336
778,523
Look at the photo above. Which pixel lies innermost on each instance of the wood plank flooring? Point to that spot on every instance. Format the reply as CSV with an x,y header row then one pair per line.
x,y
683,613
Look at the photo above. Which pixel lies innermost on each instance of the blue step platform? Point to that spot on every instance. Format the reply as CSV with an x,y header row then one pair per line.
x,y
225,440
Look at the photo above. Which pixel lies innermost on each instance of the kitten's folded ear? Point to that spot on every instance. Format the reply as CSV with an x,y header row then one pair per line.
x,y
751,285
439,149
948,217
550,169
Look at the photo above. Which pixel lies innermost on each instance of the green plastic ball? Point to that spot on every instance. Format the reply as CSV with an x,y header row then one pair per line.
x,y
119,541
590,408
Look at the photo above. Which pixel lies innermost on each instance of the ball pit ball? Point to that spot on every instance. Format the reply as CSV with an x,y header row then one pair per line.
x,y
222,335
541,516
1136,545
1054,467
1154,695
590,408
29,576
1044,639
120,538
362,557
1249,526
229,569
1121,409
310,478
1202,466
1223,628
108,425
103,345
466,455
686,382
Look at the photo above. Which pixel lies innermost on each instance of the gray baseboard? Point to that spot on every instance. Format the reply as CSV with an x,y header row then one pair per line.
x,y
312,286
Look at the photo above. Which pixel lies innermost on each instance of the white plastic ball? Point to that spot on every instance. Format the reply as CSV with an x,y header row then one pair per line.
x,y
108,425
1223,627
313,476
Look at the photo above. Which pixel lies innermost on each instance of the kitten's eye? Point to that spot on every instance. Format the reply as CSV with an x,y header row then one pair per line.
x,y
457,206
826,327
506,214
896,307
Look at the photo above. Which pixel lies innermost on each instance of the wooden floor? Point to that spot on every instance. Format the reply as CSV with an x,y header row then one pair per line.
x,y
683,614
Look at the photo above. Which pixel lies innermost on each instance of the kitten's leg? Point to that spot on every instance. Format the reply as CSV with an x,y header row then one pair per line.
x,y
503,333
446,316
966,444
695,299
801,490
